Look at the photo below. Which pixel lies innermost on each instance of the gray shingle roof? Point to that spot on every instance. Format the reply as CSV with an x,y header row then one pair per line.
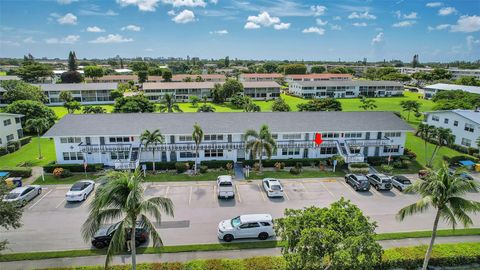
x,y
77,86
204,85
181,123
346,83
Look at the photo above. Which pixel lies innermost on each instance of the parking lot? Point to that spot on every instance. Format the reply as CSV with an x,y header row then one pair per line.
x,y
50,223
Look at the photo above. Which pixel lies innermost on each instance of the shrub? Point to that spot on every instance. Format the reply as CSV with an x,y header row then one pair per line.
x,y
376,161
3,151
216,164
409,153
456,159
229,166
298,165
295,171
25,140
279,166
94,167
203,169
256,166
17,171
358,165
270,163
61,173
11,148
386,168
165,165
182,167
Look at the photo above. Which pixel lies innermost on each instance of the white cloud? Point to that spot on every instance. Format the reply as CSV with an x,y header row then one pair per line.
x,y
281,26
378,38
85,12
263,19
29,40
362,24
412,15
318,10
66,2
149,50
315,30
185,16
69,18
143,5
472,42
335,27
398,14
439,27
337,18
366,15
251,25
467,24
70,39
111,38
9,43
447,11
404,24
131,27
219,32
95,29
320,22
214,2
186,3
434,4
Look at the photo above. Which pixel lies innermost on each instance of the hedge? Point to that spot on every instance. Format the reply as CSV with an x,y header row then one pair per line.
x,y
94,167
17,171
25,140
170,165
216,164
456,159
288,162
3,151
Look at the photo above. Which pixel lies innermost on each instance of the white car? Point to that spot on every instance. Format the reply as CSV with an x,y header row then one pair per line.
x,y
225,187
22,195
401,182
273,187
246,226
80,191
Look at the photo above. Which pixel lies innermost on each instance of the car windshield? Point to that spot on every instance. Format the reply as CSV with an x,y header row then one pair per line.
x,y
405,181
112,228
78,186
12,195
235,222
275,187
225,184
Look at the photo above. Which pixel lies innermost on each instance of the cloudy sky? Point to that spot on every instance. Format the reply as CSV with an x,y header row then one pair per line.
x,y
247,29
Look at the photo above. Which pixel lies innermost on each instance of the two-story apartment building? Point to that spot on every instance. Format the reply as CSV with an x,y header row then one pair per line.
x,y
204,77
85,93
183,90
317,77
430,90
345,88
121,79
464,124
456,72
259,77
108,139
10,128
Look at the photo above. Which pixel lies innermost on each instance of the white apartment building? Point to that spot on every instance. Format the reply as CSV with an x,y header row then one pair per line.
x,y
259,77
456,73
113,139
464,124
85,93
121,79
345,88
430,90
10,128
317,77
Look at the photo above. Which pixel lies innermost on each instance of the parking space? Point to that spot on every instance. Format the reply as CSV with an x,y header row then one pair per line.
x,y
250,193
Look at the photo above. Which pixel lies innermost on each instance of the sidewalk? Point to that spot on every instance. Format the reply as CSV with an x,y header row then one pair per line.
x,y
36,172
188,256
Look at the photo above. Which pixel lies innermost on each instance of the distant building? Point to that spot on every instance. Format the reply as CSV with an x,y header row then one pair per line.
x,y
317,77
259,77
456,72
122,79
10,128
85,93
204,77
431,90
345,88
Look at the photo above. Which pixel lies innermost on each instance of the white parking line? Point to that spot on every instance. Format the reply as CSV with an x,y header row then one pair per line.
x,y
166,192
238,194
329,192
397,192
375,192
261,192
60,204
40,199
349,189
286,195
214,193
190,196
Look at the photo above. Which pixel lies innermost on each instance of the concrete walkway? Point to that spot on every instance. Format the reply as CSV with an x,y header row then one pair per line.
x,y
188,256
36,172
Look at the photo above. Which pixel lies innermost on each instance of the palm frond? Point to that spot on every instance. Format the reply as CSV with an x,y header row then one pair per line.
x,y
419,207
163,204
156,239
117,243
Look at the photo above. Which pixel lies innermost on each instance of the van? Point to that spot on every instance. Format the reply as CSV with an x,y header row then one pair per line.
x,y
225,188
246,226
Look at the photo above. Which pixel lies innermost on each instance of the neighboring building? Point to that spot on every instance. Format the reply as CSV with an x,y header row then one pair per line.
x,y
10,128
122,79
123,71
431,90
456,73
259,77
465,124
113,139
317,77
183,90
205,77
85,93
9,78
345,88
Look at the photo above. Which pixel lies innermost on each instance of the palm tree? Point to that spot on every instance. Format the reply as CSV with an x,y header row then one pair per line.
x,y
367,104
258,142
39,125
122,200
441,137
442,191
425,131
169,104
154,137
206,108
197,136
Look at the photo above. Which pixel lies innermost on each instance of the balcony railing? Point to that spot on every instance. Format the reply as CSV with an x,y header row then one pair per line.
x,y
95,148
127,165
366,143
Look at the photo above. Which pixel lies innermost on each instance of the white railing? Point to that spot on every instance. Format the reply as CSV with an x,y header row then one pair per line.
x,y
129,165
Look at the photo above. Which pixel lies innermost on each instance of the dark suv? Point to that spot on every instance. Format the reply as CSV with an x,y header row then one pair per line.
x,y
357,181
104,235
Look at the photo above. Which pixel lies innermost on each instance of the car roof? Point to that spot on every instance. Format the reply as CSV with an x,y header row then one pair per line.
x,y
225,178
360,176
272,180
85,181
401,177
255,218
20,189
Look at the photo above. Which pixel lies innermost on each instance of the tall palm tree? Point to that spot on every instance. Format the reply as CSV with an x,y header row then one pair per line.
x,y
122,200
441,137
425,131
197,136
147,138
169,105
444,192
258,142
39,125
367,104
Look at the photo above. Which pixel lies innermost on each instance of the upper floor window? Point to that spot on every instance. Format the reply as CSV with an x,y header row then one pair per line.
x,y
185,138
330,135
10,137
353,135
393,134
17,120
7,122
455,123
435,118
445,121
293,136
119,139
70,140
213,137
391,148
469,127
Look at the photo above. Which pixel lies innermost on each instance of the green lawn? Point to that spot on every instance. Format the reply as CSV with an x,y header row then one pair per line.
x,y
172,176
29,153
51,180
303,174
60,111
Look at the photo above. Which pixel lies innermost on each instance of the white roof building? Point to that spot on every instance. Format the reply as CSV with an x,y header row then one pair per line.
x,y
431,90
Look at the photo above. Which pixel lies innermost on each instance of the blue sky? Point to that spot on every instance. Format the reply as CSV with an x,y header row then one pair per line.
x,y
247,29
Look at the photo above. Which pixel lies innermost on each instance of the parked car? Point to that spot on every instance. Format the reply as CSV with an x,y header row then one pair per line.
x,y
400,182
357,181
273,187
380,181
461,174
22,195
104,235
225,187
246,226
80,191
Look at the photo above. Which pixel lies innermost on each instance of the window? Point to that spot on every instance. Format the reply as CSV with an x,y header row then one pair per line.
x,y
213,137
119,139
265,223
391,148
0,140
355,150
435,118
72,156
353,135
330,135
469,127
393,134
70,140
294,136
10,137
7,122
214,153
328,150
187,154
185,138
17,120
466,142
455,123
290,151
445,121
119,155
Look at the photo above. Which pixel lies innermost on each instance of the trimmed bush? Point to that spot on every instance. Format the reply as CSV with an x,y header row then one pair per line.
x,y
25,140
17,171
203,169
165,165
216,164
94,167
270,163
358,165
11,148
61,173
3,151
182,167
295,170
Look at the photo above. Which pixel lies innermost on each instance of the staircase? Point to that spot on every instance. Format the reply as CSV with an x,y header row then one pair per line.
x,y
349,157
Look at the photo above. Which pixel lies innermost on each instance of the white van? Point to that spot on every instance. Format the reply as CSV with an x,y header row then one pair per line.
x,y
225,188
246,226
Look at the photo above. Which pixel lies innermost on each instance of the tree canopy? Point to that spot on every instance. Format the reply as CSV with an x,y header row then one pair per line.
x,y
231,87
33,72
294,69
19,90
321,104
11,215
71,77
317,69
279,105
133,104
93,72
457,99
31,109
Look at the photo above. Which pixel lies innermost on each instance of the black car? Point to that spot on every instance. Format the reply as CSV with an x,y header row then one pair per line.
x,y
103,236
358,182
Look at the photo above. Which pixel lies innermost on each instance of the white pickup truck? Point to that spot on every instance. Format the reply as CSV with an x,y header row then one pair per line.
x,y
225,188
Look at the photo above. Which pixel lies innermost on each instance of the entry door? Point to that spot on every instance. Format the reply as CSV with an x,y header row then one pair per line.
x,y
240,154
